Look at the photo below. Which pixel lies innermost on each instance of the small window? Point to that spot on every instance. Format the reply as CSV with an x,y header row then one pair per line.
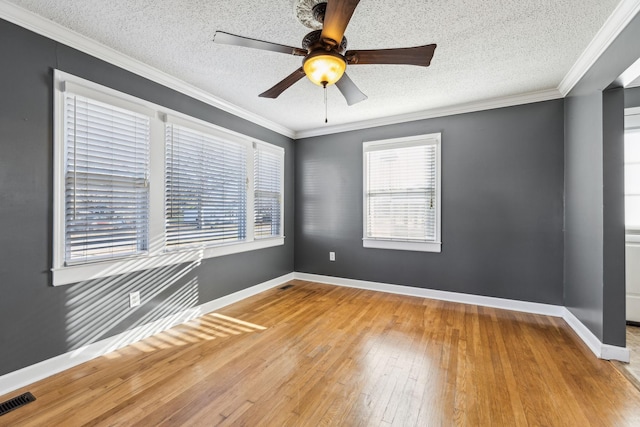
x,y
106,200
402,193
268,168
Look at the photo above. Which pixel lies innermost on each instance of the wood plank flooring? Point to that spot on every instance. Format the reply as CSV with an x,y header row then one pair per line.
x,y
631,370
633,343
317,354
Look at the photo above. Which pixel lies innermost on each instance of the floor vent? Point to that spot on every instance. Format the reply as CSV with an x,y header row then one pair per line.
x,y
16,402
286,287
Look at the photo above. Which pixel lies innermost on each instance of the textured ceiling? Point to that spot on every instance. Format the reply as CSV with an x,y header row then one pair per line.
x,y
486,49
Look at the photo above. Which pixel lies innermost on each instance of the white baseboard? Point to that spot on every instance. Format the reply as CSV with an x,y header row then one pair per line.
x,y
612,352
507,304
602,351
30,374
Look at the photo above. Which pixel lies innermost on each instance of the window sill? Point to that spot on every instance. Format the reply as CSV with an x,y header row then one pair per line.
x,y
81,272
400,245
632,238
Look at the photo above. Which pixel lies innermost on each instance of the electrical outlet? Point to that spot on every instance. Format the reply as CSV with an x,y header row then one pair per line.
x,y
134,299
332,256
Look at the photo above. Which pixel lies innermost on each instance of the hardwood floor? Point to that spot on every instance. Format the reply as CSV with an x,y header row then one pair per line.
x,y
631,370
317,354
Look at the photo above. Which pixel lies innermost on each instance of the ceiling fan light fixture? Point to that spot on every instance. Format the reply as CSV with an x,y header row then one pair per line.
x,y
324,68
325,49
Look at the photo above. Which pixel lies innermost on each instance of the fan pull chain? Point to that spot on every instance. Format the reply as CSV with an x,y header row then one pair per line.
x,y
324,85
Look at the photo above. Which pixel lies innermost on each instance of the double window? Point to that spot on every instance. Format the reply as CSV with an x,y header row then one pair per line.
x,y
139,186
402,193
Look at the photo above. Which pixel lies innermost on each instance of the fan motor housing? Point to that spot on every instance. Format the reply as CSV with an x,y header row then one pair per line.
x,y
312,42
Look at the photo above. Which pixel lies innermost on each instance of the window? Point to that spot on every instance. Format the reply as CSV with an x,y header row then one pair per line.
x,y
138,186
402,193
632,176
106,170
268,165
206,188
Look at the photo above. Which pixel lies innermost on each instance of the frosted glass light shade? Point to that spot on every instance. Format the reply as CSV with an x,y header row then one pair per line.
x,y
324,67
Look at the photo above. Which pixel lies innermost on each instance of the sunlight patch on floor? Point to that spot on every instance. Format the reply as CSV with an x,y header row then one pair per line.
x,y
207,327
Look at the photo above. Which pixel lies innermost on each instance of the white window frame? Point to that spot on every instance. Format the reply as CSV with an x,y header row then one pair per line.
x,y
158,255
397,244
632,122
78,93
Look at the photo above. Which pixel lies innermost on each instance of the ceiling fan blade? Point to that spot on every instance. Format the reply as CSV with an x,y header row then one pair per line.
x,y
232,39
349,90
285,84
419,55
336,19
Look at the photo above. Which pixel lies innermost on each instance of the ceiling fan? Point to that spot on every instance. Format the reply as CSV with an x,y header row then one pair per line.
x,y
325,51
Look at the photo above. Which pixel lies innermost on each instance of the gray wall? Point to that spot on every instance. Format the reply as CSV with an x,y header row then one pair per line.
x,y
40,321
502,206
583,224
594,223
613,216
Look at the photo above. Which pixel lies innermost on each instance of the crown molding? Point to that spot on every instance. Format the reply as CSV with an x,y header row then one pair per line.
x,y
490,104
45,27
613,26
631,76
617,21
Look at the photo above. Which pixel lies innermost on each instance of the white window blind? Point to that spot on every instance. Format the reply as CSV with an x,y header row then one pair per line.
x,y
205,188
106,180
268,166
